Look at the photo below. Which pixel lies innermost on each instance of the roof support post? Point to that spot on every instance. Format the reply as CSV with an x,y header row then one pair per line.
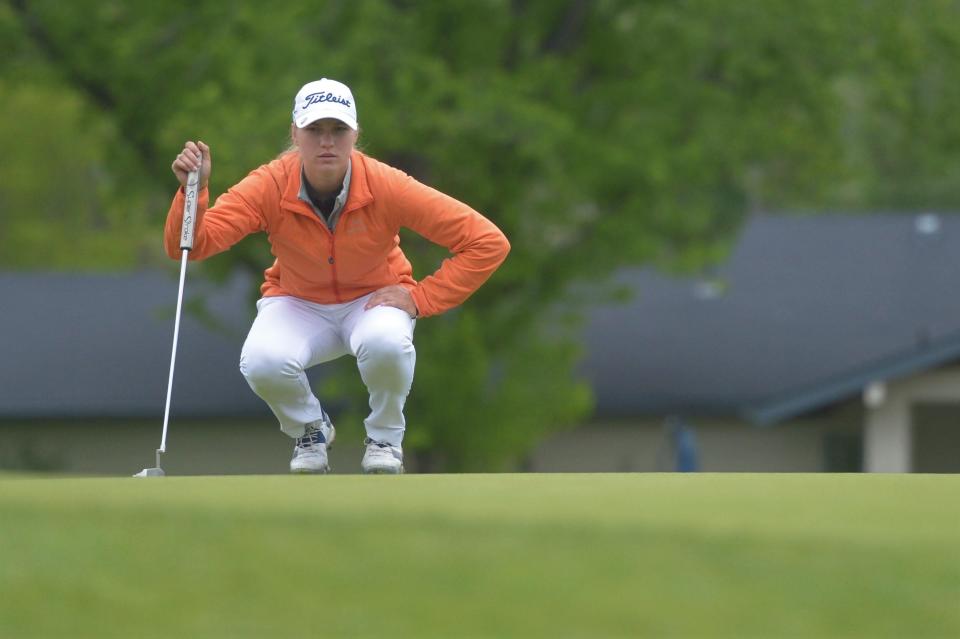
x,y
888,436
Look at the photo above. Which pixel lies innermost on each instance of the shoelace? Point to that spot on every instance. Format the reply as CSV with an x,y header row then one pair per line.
x,y
312,437
381,449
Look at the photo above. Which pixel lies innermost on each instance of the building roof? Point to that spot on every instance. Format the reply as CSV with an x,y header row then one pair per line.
x,y
93,345
806,312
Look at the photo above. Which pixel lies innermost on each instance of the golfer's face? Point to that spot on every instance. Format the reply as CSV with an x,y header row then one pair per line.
x,y
325,144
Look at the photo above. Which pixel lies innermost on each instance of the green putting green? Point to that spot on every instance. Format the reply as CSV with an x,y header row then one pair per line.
x,y
510,555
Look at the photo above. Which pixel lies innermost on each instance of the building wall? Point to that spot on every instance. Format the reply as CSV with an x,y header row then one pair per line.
x,y
256,446
828,442
809,445
912,423
124,447
936,438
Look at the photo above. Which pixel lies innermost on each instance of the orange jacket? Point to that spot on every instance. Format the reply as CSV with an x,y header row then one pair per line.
x,y
363,253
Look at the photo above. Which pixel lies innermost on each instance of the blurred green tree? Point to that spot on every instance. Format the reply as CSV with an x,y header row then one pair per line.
x,y
596,134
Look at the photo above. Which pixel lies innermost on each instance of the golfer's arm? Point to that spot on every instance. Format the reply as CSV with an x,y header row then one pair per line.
x,y
477,245
236,214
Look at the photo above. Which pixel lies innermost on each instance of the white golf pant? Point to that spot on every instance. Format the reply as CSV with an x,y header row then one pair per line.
x,y
291,335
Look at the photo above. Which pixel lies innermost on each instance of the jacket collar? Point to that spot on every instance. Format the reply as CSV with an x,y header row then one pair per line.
x,y
358,196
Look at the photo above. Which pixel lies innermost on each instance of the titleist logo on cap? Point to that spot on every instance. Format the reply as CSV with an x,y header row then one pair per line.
x,y
314,98
324,98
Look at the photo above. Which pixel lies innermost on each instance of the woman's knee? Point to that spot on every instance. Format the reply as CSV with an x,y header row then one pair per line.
x,y
385,333
385,347
386,362
261,365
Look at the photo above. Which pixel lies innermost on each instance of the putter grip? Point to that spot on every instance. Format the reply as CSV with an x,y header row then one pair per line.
x,y
190,211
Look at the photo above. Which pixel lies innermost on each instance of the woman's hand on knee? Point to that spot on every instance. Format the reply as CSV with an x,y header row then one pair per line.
x,y
396,296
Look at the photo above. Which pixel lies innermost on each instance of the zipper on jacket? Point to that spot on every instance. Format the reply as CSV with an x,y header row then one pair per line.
x,y
332,261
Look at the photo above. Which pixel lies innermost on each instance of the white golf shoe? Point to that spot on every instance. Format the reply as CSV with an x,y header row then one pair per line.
x,y
310,451
381,459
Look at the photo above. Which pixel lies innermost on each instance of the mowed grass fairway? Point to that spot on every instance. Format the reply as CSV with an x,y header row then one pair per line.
x,y
612,555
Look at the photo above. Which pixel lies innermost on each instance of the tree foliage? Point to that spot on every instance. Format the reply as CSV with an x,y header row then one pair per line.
x,y
596,134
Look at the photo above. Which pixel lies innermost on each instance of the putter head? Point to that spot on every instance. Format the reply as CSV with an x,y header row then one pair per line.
x,y
151,472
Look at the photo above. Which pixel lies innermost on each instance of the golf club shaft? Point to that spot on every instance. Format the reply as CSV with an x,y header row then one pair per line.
x,y
186,243
173,353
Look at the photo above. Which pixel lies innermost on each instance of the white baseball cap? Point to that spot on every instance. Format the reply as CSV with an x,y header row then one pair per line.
x,y
324,98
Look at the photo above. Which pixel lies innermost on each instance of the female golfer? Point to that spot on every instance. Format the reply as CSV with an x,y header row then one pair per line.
x,y
340,283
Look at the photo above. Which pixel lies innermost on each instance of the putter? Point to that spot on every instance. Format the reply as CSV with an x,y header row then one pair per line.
x,y
186,243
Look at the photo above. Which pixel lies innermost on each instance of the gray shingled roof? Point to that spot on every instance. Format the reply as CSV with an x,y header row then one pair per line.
x,y
95,345
806,312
